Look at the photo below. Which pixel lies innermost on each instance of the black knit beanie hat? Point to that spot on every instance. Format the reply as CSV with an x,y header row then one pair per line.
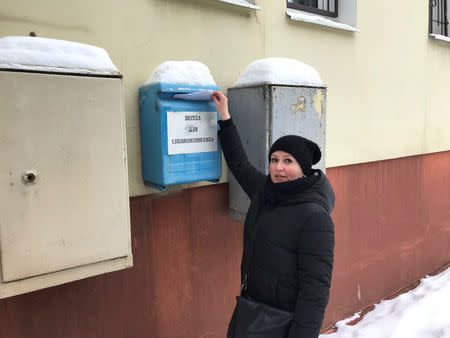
x,y
306,152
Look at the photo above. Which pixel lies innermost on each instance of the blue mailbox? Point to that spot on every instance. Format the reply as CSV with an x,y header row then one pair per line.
x,y
178,136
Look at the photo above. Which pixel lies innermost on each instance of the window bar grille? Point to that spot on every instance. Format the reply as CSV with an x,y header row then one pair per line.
x,y
438,17
321,7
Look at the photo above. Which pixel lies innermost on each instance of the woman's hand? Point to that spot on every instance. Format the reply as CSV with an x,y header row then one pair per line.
x,y
221,102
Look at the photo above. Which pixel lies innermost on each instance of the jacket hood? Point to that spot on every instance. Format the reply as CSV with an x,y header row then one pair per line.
x,y
320,192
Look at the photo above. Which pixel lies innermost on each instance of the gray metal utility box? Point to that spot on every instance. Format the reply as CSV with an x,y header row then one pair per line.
x,y
264,113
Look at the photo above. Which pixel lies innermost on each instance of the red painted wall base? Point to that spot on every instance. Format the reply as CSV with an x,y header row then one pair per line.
x,y
392,221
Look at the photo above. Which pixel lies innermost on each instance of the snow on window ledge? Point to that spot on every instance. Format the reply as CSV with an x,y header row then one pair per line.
x,y
440,37
318,20
242,3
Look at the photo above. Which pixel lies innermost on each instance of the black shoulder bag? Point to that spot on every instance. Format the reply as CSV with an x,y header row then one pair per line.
x,y
253,319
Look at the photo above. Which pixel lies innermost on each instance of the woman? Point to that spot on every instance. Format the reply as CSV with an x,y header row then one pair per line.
x,y
287,262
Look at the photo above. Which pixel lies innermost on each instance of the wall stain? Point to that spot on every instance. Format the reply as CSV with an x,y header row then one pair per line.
x,y
318,102
30,21
298,106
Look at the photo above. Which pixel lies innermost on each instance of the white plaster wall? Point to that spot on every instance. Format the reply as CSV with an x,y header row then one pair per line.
x,y
387,85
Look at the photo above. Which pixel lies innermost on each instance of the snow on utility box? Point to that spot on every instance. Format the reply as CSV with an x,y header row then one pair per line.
x,y
179,126
272,98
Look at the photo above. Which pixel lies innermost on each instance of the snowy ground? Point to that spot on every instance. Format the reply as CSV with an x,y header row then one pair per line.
x,y
421,313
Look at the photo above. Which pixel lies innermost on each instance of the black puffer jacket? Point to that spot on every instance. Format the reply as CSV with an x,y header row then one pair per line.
x,y
292,261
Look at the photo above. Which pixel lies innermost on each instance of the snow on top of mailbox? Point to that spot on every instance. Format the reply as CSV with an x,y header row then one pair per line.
x,y
282,71
182,72
51,55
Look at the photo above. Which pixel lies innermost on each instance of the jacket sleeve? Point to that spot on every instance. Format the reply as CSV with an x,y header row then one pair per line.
x,y
315,263
248,177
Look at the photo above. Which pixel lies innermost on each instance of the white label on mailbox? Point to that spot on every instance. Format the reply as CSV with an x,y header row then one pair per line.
x,y
191,132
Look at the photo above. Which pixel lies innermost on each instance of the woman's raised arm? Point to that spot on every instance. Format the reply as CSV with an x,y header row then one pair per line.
x,y
249,178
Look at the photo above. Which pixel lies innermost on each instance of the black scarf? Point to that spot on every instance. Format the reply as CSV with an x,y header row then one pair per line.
x,y
286,192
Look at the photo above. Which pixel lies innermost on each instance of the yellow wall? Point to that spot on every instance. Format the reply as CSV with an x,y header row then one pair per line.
x,y
387,85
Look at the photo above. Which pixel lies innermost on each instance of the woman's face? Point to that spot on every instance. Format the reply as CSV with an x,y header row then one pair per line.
x,y
284,167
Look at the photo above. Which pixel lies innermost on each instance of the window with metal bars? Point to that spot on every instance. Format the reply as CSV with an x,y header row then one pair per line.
x,y
322,7
438,23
